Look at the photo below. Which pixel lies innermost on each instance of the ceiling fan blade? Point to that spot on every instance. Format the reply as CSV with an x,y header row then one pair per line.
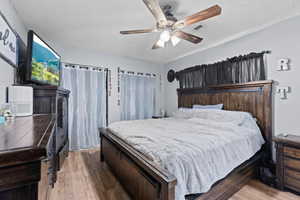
x,y
156,11
159,44
189,37
200,16
138,31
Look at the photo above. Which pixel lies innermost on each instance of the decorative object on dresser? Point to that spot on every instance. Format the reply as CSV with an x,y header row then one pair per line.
x,y
24,143
22,99
288,162
149,181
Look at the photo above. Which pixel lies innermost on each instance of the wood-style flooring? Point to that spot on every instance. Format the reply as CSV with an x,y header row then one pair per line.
x,y
84,177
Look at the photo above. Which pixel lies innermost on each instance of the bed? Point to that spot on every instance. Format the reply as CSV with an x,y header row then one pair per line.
x,y
145,178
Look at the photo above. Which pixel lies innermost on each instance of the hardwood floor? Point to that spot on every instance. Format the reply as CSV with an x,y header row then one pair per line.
x,y
84,177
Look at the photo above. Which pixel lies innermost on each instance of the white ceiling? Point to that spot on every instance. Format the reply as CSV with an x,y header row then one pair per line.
x,y
94,25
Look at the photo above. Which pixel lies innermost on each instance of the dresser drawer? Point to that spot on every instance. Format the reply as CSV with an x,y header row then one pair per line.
x,y
292,163
292,152
292,183
288,162
292,173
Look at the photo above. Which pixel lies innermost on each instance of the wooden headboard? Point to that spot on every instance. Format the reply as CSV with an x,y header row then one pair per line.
x,y
252,97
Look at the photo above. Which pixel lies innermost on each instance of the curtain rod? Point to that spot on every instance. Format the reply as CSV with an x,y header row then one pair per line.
x,y
232,59
81,66
137,73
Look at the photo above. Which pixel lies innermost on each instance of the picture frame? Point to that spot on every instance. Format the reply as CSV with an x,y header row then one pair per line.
x,y
8,42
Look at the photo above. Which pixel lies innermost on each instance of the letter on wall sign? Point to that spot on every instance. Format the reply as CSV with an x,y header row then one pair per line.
x,y
8,42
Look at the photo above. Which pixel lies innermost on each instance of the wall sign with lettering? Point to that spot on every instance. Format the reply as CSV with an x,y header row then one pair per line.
x,y
8,42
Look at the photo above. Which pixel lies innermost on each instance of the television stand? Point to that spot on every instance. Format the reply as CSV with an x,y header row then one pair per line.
x,y
45,98
54,100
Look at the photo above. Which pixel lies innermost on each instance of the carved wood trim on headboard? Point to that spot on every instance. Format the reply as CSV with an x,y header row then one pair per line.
x,y
252,97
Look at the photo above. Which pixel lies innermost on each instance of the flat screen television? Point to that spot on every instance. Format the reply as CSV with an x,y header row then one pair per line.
x,y
43,63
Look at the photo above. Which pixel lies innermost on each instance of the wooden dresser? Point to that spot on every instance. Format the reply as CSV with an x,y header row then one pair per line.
x,y
288,162
54,100
24,143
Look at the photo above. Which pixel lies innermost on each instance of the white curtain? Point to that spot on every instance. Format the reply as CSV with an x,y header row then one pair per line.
x,y
87,105
138,96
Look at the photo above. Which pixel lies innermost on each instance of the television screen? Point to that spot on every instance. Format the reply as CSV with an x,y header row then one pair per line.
x,y
44,62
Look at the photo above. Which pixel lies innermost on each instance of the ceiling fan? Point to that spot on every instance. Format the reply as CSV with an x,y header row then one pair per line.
x,y
170,27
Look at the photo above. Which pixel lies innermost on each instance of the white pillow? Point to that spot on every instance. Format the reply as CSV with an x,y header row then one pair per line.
x,y
214,107
235,117
184,113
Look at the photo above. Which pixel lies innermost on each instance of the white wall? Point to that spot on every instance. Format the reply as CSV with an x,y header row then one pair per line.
x,y
77,56
112,62
283,40
6,70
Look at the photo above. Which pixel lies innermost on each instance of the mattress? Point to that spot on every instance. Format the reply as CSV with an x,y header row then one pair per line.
x,y
198,149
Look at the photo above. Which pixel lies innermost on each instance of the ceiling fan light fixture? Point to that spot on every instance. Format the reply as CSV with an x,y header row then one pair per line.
x,y
175,40
169,26
165,36
160,43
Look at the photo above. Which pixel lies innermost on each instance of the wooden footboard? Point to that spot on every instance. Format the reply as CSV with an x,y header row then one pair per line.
x,y
141,178
144,180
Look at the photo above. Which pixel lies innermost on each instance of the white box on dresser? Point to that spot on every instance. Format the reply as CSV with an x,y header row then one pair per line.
x,y
22,99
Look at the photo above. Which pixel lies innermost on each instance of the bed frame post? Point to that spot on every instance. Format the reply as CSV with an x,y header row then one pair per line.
x,y
268,128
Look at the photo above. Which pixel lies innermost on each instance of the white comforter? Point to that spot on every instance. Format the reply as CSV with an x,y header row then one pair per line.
x,y
196,149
